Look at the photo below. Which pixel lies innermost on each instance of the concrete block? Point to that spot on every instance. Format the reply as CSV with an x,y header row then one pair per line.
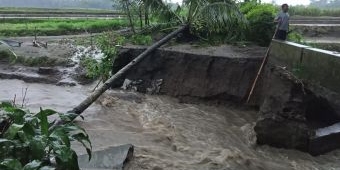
x,y
109,158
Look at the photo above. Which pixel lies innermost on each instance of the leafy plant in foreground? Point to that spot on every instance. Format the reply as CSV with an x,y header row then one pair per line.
x,y
28,140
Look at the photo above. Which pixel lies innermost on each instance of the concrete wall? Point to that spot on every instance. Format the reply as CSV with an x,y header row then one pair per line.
x,y
319,67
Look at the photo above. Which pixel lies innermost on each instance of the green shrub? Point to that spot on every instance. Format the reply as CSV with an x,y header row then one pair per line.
x,y
261,26
29,141
296,37
92,67
102,68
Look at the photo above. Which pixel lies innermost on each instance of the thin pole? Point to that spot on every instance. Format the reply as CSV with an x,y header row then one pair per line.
x,y
261,68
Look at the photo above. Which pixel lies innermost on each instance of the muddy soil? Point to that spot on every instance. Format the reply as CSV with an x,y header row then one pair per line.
x,y
57,64
53,51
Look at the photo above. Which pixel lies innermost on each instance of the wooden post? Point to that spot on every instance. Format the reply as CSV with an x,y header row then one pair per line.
x,y
35,33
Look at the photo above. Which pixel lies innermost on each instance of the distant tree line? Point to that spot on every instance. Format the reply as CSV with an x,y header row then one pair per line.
x,y
325,3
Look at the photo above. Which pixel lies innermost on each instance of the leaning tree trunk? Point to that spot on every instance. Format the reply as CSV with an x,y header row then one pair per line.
x,y
94,96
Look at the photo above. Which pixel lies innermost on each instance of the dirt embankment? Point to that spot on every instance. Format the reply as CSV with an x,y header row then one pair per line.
x,y
56,64
185,71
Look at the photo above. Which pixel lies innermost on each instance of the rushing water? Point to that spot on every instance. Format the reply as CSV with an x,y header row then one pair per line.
x,y
168,134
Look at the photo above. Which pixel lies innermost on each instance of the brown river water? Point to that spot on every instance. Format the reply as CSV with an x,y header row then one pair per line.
x,y
168,134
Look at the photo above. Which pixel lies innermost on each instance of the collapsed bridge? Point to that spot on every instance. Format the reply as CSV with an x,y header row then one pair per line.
x,y
297,95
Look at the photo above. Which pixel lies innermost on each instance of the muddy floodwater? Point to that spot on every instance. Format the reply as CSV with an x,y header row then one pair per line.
x,y
168,134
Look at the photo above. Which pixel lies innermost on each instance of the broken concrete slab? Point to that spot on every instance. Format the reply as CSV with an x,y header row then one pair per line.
x,y
296,116
113,158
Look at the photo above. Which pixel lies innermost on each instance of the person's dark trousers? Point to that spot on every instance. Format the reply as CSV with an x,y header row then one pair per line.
x,y
281,35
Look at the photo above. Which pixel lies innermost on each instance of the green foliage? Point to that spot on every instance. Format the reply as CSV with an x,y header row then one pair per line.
x,y
296,37
29,141
140,39
108,43
92,67
218,18
23,27
260,18
313,11
210,20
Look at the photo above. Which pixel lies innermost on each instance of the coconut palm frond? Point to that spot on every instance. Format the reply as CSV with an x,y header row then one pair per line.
x,y
218,17
221,17
6,47
162,10
194,7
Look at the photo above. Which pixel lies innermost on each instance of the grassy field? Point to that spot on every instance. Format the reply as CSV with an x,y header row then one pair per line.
x,y
10,10
313,11
26,27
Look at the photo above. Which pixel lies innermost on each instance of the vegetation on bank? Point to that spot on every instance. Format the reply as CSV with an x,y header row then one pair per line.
x,y
30,141
254,22
46,27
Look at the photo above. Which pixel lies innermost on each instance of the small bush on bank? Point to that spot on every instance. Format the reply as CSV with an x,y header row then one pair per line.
x,y
107,42
296,37
260,18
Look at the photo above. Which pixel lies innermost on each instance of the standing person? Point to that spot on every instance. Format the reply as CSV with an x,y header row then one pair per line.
x,y
282,20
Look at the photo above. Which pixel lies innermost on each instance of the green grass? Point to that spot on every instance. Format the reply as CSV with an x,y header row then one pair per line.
x,y
22,27
313,11
12,10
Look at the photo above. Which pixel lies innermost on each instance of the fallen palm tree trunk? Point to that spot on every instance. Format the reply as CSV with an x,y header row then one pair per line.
x,y
95,95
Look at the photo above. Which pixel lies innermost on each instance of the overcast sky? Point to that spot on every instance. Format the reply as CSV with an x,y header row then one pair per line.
x,y
289,2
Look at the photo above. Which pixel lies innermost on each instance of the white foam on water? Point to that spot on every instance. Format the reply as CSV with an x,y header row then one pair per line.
x,y
335,128
82,51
